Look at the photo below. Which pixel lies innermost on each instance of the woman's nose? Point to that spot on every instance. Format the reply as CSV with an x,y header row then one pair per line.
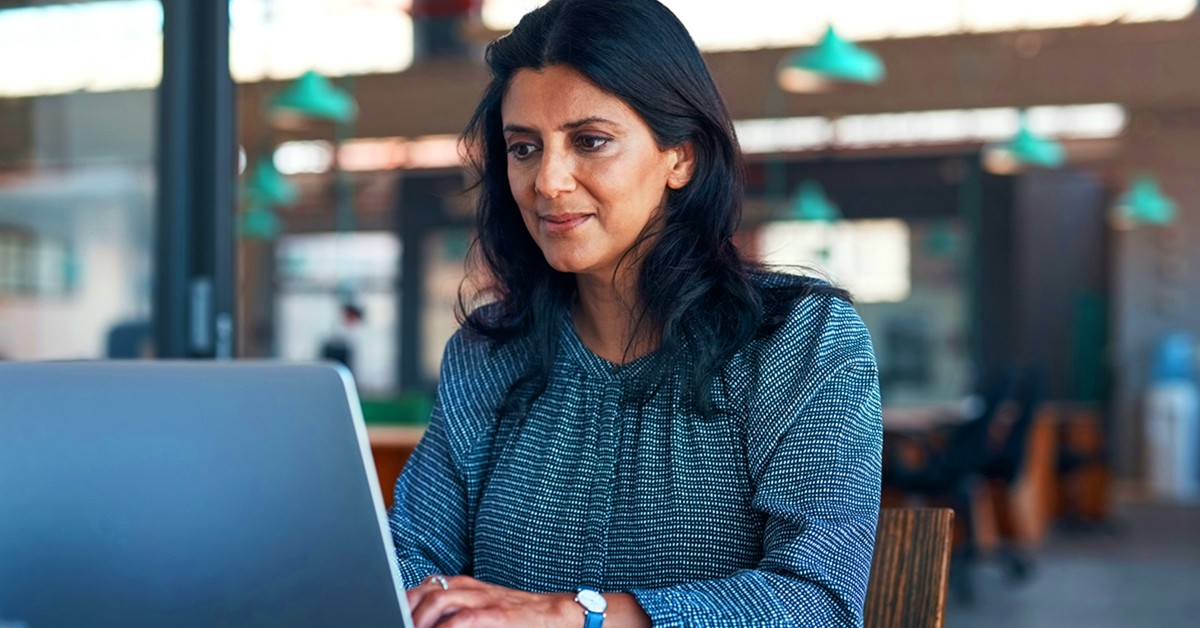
x,y
555,176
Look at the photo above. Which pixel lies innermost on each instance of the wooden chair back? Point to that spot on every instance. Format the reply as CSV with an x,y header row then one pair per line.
x,y
911,568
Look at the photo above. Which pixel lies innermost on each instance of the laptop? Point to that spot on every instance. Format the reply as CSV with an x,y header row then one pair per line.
x,y
154,493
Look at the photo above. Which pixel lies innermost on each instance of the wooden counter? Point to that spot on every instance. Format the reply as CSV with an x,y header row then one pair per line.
x,y
390,447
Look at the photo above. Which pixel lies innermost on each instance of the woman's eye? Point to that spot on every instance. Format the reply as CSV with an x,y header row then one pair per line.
x,y
521,150
591,142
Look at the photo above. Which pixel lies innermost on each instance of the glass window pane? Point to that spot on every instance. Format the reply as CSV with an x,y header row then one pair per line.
x,y
445,253
337,300
906,277
77,180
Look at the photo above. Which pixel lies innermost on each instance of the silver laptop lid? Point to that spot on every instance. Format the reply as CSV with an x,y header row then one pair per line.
x,y
190,494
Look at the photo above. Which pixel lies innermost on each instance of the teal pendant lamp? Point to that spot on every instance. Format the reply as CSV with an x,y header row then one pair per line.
x,y
264,189
1025,149
941,241
812,205
1145,204
258,222
1031,149
312,96
266,186
833,58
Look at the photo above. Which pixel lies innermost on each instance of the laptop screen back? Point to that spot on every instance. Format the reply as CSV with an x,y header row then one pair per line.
x,y
189,494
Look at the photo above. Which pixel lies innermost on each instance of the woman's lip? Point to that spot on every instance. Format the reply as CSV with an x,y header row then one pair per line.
x,y
564,223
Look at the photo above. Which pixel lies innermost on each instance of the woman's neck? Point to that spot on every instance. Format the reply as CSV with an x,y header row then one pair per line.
x,y
605,314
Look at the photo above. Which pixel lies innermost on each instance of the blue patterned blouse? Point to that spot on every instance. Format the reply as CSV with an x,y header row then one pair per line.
x,y
765,517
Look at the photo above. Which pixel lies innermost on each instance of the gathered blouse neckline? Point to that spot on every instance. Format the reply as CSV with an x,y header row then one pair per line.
x,y
593,364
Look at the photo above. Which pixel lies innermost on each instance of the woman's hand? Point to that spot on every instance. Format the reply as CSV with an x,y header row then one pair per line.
x,y
469,602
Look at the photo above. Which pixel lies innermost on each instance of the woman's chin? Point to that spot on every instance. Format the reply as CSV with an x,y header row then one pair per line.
x,y
567,263
567,267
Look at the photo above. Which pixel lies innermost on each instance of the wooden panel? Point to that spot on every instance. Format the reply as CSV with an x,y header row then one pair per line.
x,y
910,568
1083,488
1031,500
390,447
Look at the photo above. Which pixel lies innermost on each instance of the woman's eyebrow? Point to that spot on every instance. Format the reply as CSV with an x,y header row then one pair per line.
x,y
516,128
568,126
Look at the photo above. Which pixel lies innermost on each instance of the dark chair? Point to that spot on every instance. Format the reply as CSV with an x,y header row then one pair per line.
x,y
1002,470
1084,470
948,465
129,340
910,568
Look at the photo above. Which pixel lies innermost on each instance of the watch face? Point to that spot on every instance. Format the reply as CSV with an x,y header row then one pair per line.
x,y
592,600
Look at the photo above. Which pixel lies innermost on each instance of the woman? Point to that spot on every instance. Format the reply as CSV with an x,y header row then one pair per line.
x,y
643,427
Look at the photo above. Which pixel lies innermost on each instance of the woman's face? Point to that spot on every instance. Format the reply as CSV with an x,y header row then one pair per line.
x,y
584,169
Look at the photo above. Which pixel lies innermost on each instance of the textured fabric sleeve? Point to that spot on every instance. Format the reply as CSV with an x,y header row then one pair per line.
x,y
430,516
813,438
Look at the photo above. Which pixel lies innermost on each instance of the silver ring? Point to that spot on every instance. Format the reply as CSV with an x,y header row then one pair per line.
x,y
441,580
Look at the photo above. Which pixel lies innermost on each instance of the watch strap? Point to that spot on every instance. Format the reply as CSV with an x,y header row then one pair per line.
x,y
593,620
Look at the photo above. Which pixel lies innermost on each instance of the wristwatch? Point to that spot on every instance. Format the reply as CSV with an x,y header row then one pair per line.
x,y
593,605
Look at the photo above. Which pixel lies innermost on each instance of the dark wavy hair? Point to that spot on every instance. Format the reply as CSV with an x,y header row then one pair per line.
x,y
697,294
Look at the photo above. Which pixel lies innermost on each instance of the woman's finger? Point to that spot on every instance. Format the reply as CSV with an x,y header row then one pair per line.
x,y
417,594
439,605
467,582
475,618
469,602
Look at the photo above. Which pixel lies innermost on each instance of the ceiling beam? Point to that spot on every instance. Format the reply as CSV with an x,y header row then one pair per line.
x,y
1139,65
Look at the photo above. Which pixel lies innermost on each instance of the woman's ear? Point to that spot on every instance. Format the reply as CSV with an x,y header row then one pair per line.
x,y
684,166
